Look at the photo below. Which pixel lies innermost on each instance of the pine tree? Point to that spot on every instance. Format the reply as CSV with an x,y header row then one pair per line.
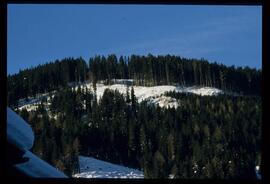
x,y
133,100
127,95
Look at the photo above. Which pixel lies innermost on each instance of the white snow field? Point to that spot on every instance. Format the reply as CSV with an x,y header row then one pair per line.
x,y
144,92
94,168
153,94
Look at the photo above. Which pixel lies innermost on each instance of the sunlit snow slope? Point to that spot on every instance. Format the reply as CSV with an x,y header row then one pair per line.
x,y
93,168
154,94
144,92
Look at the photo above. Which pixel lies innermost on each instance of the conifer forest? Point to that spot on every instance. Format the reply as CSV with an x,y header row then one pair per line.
x,y
202,136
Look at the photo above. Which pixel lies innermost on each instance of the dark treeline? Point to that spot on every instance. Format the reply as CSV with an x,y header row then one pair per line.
x,y
45,78
205,137
145,70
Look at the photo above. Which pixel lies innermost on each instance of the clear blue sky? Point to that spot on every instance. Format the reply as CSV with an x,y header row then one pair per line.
x,y
37,34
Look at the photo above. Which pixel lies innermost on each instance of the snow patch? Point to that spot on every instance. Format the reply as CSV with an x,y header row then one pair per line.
x,y
258,173
154,94
163,101
203,91
94,168
33,102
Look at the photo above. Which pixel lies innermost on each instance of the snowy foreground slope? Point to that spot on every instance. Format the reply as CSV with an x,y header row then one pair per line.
x,y
93,168
38,168
20,135
153,94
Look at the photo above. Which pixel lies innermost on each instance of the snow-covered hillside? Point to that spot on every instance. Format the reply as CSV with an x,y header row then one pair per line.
x,y
153,94
144,92
32,102
93,168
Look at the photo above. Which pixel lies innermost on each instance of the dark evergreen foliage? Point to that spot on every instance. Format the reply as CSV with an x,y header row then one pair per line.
x,y
145,70
204,137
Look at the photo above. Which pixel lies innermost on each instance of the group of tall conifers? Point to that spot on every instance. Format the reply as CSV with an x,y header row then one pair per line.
x,y
204,137
145,70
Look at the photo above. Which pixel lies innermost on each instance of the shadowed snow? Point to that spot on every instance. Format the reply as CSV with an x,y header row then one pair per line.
x,y
37,168
19,132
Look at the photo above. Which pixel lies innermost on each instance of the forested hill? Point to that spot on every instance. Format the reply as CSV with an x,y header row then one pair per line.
x,y
145,70
212,136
